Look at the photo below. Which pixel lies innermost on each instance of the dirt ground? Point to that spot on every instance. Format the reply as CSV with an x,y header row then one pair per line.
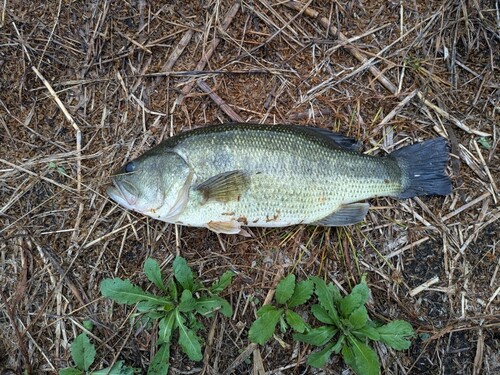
x,y
86,86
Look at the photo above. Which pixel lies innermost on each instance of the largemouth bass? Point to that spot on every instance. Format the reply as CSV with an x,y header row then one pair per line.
x,y
225,177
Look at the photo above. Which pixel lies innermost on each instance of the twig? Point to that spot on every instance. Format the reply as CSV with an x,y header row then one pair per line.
x,y
135,43
258,365
395,111
219,101
211,49
78,147
310,113
279,30
47,253
56,22
465,206
487,170
492,298
407,247
360,56
208,346
478,358
92,50
241,358
92,243
250,348
18,167
496,216
2,17
451,118
424,286
11,312
40,349
174,56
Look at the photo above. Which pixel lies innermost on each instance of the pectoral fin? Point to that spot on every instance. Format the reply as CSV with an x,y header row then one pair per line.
x,y
224,187
227,227
347,214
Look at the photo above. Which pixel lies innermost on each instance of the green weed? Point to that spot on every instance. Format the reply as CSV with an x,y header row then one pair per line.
x,y
183,297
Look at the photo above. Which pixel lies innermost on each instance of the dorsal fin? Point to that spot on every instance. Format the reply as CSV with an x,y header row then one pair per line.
x,y
336,139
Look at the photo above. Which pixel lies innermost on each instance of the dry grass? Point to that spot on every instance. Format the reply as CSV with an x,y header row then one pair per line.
x,y
88,85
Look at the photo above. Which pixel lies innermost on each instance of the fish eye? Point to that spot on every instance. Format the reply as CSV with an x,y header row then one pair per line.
x,y
130,167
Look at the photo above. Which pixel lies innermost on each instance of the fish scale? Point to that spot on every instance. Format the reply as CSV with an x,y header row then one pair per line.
x,y
226,176
280,187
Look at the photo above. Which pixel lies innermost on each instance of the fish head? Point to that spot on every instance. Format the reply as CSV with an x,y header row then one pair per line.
x,y
156,184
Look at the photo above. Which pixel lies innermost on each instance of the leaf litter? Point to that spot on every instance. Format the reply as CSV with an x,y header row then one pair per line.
x,y
89,85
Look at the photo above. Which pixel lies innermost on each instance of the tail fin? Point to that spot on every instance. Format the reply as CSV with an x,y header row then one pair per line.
x,y
423,168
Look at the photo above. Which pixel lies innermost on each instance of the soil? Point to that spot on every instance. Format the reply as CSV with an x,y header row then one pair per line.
x,y
122,72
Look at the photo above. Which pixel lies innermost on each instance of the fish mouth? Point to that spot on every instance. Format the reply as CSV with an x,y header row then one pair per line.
x,y
122,193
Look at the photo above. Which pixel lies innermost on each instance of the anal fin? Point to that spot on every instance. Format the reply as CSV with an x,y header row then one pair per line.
x,y
347,214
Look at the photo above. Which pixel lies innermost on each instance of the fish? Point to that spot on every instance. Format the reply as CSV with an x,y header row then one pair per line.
x,y
229,177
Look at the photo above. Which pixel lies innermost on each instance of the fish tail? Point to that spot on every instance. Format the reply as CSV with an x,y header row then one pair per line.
x,y
423,167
